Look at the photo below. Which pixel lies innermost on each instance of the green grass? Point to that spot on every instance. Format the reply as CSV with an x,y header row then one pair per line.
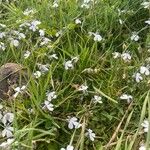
x,y
116,123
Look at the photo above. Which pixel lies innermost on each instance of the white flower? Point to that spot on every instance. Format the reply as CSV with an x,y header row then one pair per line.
x,y
2,35
68,65
87,6
25,24
48,105
144,70
145,125
34,25
6,145
126,56
78,21
53,56
51,96
55,4
69,147
116,55
135,36
27,54
2,46
19,90
21,36
126,97
138,77
73,123
142,147
37,74
75,59
8,132
97,99
8,118
83,88
42,32
97,37
28,12
148,21
91,134
14,42
43,68
146,4
45,41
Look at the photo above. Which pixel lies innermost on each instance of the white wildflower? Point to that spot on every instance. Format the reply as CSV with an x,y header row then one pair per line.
x,y
8,132
51,96
34,25
135,36
145,125
25,24
55,4
28,12
73,123
97,99
138,77
43,68
42,32
116,55
75,59
27,54
48,105
53,56
91,135
37,74
69,147
8,118
144,70
126,97
126,56
146,4
83,88
147,21
45,41
6,145
84,5
78,21
14,42
68,65
2,46
19,90
97,37
2,35
21,36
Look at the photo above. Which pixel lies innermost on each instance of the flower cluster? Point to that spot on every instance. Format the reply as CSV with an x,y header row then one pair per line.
x,y
126,57
47,103
7,119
